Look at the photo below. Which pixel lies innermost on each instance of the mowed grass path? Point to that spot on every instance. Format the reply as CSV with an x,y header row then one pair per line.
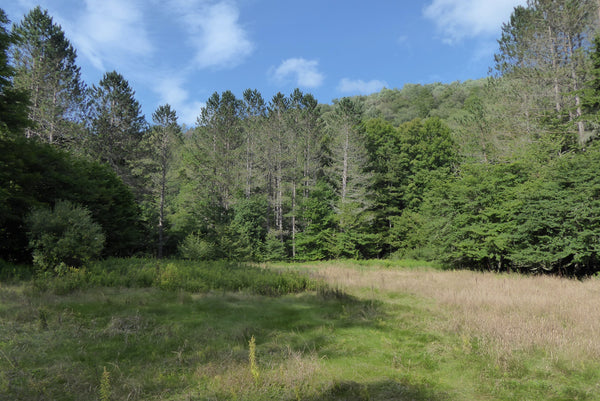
x,y
376,332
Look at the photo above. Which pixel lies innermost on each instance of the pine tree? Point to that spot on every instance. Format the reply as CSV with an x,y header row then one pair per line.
x,y
159,146
542,48
255,112
350,174
275,157
219,142
13,102
118,126
45,64
591,92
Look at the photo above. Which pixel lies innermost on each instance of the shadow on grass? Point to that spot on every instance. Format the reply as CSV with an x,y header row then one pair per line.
x,y
381,390
156,341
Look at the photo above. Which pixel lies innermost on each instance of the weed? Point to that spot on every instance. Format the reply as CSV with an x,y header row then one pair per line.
x,y
105,385
43,319
252,359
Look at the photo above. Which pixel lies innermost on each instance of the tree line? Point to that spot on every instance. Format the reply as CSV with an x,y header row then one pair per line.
x,y
494,174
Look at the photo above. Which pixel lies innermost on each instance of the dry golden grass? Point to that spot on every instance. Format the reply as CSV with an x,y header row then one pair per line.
x,y
560,316
288,375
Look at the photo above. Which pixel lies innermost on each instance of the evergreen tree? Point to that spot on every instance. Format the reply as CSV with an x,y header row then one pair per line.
x,y
276,159
542,47
118,126
159,146
305,156
350,176
213,174
219,142
591,92
255,112
13,102
45,64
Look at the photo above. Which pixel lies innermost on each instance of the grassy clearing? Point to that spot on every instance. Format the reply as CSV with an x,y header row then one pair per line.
x,y
376,332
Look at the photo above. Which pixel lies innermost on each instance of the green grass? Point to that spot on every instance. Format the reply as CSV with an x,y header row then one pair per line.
x,y
358,264
176,275
158,342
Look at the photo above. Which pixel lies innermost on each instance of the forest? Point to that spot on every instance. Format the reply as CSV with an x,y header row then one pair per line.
x,y
433,242
494,174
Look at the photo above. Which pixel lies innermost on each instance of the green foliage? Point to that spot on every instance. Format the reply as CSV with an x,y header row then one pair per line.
x,y
469,218
177,275
406,162
249,226
156,168
590,94
65,235
413,101
558,217
45,65
194,247
34,174
315,241
13,102
274,247
547,77
512,217
477,174
117,125
10,272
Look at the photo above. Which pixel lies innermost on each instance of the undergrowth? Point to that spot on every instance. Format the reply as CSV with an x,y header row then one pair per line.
x,y
176,275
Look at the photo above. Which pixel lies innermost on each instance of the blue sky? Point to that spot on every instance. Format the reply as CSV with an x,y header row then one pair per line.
x,y
181,51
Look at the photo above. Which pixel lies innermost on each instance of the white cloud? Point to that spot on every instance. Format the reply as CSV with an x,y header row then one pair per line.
x,y
224,42
460,19
111,30
214,31
359,86
102,31
171,91
304,72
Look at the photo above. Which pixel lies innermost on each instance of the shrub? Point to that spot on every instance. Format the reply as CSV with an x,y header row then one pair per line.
x,y
194,247
64,236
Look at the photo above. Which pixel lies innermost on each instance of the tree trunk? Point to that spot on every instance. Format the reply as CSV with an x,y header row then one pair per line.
x,y
575,86
161,214
554,56
294,219
248,166
345,164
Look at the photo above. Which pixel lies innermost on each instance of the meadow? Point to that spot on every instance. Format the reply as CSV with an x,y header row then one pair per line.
x,y
138,329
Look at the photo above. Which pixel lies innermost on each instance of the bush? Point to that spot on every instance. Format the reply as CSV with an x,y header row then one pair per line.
x,y
63,237
193,247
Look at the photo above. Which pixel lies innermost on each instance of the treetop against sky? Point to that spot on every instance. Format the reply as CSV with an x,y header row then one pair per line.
x,y
181,51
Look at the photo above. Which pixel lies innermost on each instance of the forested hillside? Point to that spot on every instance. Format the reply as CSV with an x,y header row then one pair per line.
x,y
495,174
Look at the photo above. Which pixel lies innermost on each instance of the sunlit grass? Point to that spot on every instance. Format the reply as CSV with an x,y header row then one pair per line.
x,y
376,332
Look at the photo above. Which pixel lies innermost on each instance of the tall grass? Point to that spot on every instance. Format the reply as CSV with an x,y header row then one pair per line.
x,y
514,312
177,275
131,331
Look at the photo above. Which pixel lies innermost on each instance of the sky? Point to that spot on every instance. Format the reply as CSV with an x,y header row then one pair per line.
x,y
182,51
